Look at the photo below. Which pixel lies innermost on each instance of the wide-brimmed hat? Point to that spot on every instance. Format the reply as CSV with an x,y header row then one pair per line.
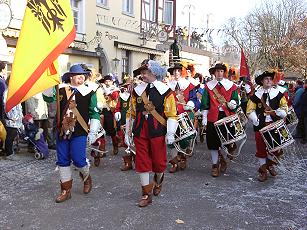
x,y
106,77
75,70
217,66
260,77
175,66
153,66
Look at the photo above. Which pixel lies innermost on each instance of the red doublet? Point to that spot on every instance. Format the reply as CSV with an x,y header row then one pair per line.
x,y
214,103
186,94
150,152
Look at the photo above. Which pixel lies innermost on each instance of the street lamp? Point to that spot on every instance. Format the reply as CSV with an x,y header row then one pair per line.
x,y
115,62
99,53
190,8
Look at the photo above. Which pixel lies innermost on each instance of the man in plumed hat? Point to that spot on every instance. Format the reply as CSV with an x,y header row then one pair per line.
x,y
264,107
77,108
220,99
151,118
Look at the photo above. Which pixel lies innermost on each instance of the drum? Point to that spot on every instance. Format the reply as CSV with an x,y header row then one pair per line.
x,y
276,136
230,129
185,135
291,118
243,118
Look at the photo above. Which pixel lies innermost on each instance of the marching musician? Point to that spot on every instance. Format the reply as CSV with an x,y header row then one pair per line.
x,y
120,117
77,106
220,99
265,106
107,97
245,90
153,117
183,86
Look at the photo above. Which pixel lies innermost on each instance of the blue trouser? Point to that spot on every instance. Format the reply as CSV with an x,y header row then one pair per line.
x,y
72,150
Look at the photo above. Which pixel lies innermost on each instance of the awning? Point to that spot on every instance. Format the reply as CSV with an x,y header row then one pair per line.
x,y
138,48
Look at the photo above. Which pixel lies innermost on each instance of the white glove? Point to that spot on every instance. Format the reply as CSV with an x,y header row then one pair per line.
x,y
232,104
129,124
117,116
48,92
189,106
171,126
205,117
253,117
280,112
94,128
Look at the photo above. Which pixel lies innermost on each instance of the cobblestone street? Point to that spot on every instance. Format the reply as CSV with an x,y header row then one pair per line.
x,y
190,199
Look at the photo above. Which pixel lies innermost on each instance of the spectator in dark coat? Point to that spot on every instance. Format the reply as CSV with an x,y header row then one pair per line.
x,y
297,105
303,101
3,86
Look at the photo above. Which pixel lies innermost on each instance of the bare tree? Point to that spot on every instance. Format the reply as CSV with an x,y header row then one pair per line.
x,y
273,35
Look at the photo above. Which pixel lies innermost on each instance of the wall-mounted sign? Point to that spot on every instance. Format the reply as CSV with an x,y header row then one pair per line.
x,y
5,15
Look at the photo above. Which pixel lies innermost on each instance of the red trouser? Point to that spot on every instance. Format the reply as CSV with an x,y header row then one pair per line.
x,y
150,152
261,151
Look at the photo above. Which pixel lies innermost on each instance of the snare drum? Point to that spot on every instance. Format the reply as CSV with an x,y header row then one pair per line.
x,y
230,129
276,136
243,118
185,134
291,118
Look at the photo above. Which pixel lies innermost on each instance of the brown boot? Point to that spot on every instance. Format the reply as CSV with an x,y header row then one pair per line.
x,y
65,192
87,183
222,162
146,195
215,170
127,163
158,186
115,145
263,174
174,163
183,162
270,167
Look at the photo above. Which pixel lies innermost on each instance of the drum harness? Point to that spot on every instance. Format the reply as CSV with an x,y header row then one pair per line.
x,y
223,104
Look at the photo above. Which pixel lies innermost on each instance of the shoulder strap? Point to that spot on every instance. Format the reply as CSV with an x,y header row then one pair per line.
x,y
151,109
72,106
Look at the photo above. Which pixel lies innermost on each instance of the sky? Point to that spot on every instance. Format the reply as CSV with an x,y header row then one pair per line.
x,y
218,11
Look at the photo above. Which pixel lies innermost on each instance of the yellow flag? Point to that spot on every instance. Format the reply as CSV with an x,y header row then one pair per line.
x,y
47,30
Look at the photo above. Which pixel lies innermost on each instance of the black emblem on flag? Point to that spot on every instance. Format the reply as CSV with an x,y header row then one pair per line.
x,y
53,15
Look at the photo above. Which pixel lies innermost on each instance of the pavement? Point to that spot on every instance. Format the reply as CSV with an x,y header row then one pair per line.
x,y
190,199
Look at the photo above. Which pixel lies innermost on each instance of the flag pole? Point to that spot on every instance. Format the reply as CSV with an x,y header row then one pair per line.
x,y
58,114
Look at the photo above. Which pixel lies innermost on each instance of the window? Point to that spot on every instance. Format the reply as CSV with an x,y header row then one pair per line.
x,y
168,12
125,62
128,6
150,10
76,6
102,2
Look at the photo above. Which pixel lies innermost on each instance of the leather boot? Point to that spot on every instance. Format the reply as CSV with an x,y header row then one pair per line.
x,y
215,170
87,183
127,163
222,162
174,163
270,167
263,174
146,195
157,186
279,155
65,192
115,145
183,162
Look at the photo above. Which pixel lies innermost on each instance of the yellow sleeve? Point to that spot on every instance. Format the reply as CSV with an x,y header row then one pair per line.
x,y
170,109
283,104
251,106
132,107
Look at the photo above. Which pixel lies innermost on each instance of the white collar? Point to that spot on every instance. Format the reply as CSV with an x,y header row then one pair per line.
x,y
281,89
272,92
172,84
94,86
183,83
124,96
225,82
194,81
83,89
160,86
